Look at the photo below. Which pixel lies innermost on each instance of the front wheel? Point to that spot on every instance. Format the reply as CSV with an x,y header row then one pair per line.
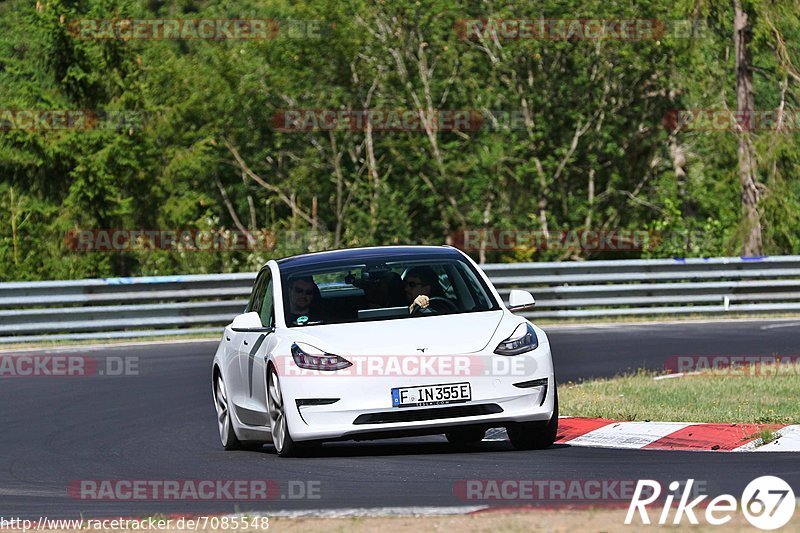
x,y
535,435
282,439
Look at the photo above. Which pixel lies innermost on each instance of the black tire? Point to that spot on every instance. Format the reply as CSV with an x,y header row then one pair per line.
x,y
535,435
290,447
465,436
224,422
282,439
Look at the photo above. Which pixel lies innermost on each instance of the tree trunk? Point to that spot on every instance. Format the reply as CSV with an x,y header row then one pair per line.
x,y
751,243
13,225
374,180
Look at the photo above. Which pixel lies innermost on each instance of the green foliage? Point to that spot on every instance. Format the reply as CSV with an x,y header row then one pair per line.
x,y
202,152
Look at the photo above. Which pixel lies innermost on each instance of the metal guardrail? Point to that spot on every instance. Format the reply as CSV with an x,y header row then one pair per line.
x,y
174,305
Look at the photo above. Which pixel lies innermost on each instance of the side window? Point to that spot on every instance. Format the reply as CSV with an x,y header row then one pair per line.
x,y
444,282
257,295
267,310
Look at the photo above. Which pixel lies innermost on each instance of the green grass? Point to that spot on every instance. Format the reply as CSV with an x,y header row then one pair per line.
x,y
772,396
767,436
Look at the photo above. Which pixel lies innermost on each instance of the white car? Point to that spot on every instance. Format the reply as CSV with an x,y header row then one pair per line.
x,y
381,342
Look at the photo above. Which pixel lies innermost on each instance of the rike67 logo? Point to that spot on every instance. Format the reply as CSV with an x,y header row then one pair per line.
x,y
767,502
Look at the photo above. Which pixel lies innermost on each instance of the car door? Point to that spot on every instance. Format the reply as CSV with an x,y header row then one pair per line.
x,y
238,391
252,357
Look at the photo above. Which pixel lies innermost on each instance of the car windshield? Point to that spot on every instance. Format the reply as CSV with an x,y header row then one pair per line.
x,y
385,290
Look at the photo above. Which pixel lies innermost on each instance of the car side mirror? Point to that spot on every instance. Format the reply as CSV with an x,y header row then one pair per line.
x,y
249,323
519,300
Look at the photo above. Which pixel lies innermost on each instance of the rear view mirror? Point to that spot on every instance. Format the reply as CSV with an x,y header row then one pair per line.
x,y
248,322
518,300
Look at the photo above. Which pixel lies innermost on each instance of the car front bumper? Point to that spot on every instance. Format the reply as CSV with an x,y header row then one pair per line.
x,y
340,405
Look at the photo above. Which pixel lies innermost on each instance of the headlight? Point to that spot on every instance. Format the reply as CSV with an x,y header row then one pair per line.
x,y
522,340
323,361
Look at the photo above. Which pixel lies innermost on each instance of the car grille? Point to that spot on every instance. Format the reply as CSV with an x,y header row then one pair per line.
x,y
414,415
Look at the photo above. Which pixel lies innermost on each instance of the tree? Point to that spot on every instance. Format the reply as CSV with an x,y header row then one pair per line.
x,y
751,245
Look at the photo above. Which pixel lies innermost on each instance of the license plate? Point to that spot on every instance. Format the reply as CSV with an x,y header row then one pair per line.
x,y
431,395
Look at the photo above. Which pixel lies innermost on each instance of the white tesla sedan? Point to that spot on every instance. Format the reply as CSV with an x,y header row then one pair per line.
x,y
381,342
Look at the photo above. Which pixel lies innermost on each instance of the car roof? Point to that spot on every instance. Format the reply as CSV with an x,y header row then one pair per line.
x,y
367,254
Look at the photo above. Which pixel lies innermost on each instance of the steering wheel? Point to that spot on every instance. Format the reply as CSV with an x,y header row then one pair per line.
x,y
443,304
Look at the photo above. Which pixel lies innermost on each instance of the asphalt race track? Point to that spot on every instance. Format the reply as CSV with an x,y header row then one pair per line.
x,y
161,425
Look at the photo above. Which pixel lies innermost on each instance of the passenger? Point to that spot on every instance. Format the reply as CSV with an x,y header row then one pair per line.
x,y
376,292
384,289
304,301
397,294
421,284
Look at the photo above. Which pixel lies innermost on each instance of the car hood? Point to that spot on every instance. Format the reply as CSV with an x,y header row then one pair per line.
x,y
437,335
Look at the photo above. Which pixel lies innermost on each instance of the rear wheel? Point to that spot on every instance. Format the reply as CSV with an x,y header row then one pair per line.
x,y
465,436
535,435
226,433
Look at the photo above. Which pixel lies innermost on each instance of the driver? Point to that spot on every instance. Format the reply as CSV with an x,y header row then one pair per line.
x,y
303,298
420,284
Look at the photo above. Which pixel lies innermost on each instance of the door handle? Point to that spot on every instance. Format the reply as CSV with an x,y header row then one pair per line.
x,y
227,339
245,343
